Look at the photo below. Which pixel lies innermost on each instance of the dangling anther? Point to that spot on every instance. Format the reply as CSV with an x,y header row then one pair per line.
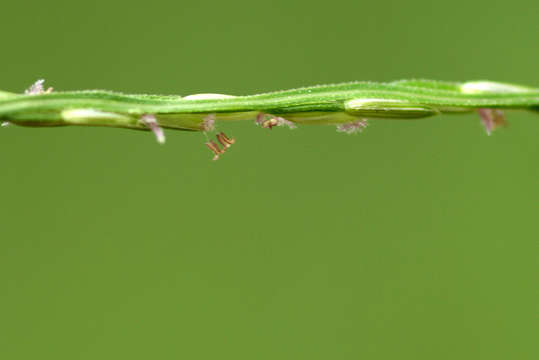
x,y
215,149
224,140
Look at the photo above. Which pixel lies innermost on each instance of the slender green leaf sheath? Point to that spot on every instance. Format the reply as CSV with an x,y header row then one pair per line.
x,y
336,104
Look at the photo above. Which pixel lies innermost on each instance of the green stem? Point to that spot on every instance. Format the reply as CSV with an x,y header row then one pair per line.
x,y
327,104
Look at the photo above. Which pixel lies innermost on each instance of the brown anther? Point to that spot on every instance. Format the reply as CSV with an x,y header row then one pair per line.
x,y
270,123
224,140
215,149
266,124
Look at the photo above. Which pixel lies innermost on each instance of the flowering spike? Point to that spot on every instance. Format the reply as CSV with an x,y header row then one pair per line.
x,y
151,122
208,123
336,104
353,127
491,119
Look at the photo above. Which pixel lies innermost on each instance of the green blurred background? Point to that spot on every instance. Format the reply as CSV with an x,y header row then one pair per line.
x,y
414,240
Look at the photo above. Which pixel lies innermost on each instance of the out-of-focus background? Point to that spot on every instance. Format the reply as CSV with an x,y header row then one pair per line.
x,y
414,240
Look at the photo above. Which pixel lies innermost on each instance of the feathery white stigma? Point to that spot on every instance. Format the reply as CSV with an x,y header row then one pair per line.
x,y
353,127
151,122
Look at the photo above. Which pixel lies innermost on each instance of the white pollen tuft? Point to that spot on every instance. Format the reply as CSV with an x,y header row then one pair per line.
x,y
36,88
151,122
208,123
353,127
